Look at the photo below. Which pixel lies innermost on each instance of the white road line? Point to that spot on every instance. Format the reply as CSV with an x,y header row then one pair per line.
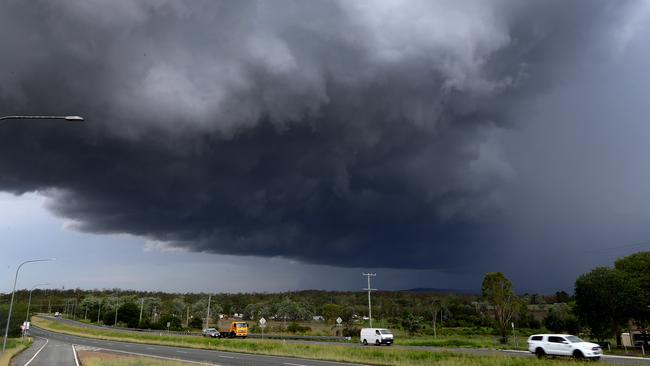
x,y
226,356
624,357
74,352
293,364
161,357
181,351
37,352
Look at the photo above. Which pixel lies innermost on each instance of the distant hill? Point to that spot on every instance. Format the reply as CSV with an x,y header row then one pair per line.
x,y
445,291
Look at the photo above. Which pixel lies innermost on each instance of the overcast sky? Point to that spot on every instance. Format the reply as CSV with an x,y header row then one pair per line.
x,y
266,146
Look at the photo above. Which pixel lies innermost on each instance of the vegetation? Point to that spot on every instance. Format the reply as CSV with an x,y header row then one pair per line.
x,y
607,299
561,319
14,346
497,291
17,318
413,313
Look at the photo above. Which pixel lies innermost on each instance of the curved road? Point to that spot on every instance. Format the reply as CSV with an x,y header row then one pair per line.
x,y
55,349
59,345
45,352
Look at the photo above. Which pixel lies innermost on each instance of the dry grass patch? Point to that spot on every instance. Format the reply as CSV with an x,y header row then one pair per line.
x,y
98,358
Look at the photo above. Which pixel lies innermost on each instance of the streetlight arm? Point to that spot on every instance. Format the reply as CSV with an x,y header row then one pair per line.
x,y
29,303
13,292
67,118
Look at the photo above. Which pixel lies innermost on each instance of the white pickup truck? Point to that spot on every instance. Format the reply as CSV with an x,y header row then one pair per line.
x,y
544,345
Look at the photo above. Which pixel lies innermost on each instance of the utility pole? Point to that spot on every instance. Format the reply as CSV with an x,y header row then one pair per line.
x,y
370,289
187,319
207,315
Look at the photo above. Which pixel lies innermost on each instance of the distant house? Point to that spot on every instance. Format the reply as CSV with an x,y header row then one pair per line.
x,y
318,318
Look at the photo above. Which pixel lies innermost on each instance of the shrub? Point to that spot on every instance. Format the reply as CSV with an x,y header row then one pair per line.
x,y
351,331
297,328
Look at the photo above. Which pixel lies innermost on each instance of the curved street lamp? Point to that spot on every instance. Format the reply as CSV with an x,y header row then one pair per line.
x,y
67,118
13,292
29,303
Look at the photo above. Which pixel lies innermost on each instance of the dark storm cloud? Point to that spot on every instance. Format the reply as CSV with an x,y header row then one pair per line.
x,y
352,133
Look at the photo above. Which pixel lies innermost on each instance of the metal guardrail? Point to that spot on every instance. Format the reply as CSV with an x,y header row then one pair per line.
x,y
162,332
298,337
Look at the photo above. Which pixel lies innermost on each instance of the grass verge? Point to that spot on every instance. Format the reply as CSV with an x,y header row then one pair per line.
x,y
445,342
14,347
108,359
369,355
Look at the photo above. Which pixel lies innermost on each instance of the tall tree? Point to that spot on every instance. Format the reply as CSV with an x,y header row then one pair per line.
x,y
602,301
497,290
560,319
636,270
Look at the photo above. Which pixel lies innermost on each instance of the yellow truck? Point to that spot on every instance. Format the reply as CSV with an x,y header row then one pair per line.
x,y
237,329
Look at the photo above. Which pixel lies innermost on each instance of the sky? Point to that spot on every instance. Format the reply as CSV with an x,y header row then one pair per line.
x,y
271,146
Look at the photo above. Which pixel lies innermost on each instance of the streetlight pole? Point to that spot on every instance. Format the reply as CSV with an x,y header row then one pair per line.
x,y
67,118
99,310
29,303
141,307
117,306
207,313
370,289
13,292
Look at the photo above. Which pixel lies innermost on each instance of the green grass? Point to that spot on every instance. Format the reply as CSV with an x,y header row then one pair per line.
x,y
446,342
369,355
14,347
468,341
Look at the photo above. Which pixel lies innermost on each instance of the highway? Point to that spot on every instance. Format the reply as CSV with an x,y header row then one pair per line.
x,y
55,349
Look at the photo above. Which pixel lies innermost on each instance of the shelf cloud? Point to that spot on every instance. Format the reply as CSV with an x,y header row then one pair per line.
x,y
351,133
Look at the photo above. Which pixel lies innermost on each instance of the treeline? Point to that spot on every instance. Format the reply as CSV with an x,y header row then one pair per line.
x,y
607,301
413,312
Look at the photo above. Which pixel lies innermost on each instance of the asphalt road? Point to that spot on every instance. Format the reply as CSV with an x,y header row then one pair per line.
x,y
180,351
46,351
56,350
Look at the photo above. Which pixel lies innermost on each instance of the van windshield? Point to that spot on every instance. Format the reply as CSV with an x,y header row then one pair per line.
x,y
385,331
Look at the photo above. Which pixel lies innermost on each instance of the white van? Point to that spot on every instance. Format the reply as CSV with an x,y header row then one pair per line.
x,y
376,336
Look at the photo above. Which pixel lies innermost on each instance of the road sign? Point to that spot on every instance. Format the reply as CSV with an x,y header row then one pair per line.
x,y
168,324
339,320
262,323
